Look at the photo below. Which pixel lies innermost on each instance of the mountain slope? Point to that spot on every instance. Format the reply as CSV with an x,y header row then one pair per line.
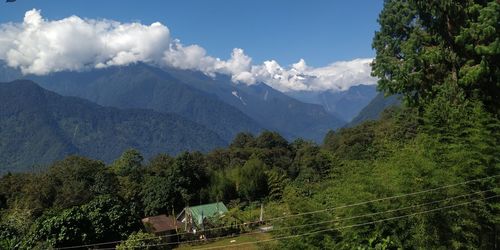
x,y
39,126
373,110
344,104
146,87
217,103
271,108
286,114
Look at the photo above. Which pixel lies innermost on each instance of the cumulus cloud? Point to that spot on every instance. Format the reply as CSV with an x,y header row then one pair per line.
x,y
40,46
194,57
336,76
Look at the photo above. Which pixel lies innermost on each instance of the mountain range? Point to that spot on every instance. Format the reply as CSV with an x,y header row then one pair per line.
x,y
146,87
101,112
215,102
38,126
344,104
271,108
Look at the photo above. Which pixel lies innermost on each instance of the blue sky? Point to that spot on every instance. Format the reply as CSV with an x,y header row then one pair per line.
x,y
320,31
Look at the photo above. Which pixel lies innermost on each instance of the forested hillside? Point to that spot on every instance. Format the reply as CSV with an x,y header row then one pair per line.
x,y
273,109
219,104
38,126
423,176
378,159
374,109
142,86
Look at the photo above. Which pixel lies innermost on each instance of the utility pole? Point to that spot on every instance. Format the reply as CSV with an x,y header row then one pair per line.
x,y
261,212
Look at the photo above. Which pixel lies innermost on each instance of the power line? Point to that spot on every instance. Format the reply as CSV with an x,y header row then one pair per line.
x,y
349,226
386,198
331,221
387,211
297,214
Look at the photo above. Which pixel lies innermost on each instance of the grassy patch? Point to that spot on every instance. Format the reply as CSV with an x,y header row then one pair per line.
x,y
232,243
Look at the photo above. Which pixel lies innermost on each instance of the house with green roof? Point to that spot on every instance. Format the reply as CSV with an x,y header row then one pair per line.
x,y
194,217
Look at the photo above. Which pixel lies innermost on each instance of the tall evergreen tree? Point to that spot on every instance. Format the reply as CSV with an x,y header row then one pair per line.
x,y
424,44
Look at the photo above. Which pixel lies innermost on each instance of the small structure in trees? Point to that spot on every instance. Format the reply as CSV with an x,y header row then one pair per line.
x,y
162,225
194,218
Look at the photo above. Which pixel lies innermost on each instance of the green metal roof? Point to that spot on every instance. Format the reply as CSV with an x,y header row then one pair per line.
x,y
207,210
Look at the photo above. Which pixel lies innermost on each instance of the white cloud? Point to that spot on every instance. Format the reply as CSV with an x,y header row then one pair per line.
x,y
40,46
189,57
301,77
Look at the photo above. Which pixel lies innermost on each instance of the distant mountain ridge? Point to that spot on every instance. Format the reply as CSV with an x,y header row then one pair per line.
x,y
373,110
146,87
217,103
271,108
39,126
344,104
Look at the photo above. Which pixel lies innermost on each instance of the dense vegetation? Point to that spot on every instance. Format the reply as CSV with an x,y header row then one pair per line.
x,y
38,126
81,201
440,56
425,48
